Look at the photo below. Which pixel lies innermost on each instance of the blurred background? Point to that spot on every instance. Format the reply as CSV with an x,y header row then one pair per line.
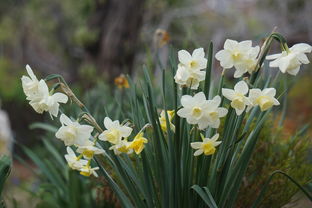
x,y
92,42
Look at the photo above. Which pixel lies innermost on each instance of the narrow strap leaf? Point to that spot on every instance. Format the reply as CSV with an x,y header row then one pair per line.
x,y
205,195
265,186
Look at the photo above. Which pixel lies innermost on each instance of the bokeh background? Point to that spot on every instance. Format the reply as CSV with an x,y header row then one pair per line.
x,y
91,42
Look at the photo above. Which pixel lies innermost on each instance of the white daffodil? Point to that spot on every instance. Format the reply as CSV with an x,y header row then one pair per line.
x,y
122,147
73,161
73,133
213,113
30,84
207,146
189,72
240,55
237,96
188,78
198,110
43,101
87,170
115,131
163,121
291,60
89,150
265,98
194,62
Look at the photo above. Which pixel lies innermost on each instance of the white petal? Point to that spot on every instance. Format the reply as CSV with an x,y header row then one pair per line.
x,y
294,72
65,120
245,45
198,53
239,72
184,57
125,131
301,47
216,100
241,87
31,73
196,145
303,58
198,152
225,59
108,123
215,137
187,100
239,112
269,91
60,97
273,56
228,93
222,112
184,113
199,97
230,44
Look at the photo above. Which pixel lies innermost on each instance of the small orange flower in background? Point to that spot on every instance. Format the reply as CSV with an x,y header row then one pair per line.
x,y
121,81
161,38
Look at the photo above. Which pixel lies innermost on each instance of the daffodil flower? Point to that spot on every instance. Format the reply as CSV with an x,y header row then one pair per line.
x,y
138,143
43,101
238,96
240,55
189,72
290,61
163,121
73,161
87,170
207,146
73,133
121,147
89,150
198,110
115,131
194,62
263,98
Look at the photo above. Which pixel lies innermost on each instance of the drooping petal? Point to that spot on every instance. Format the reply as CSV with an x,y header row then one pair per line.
x,y
198,152
273,56
60,97
302,48
222,112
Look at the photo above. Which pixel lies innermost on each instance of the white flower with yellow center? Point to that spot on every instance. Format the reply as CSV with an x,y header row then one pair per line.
x,y
115,131
237,96
207,146
122,147
194,62
89,150
263,98
73,133
87,170
240,55
186,77
212,114
198,110
30,84
43,101
73,161
189,72
291,60
163,121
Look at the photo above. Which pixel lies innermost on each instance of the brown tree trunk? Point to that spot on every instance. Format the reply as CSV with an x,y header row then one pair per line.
x,y
119,22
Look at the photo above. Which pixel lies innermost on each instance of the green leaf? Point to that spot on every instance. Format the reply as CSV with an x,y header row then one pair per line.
x,y
205,195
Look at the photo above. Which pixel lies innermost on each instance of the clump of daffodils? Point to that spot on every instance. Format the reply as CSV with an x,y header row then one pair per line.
x,y
192,128
78,137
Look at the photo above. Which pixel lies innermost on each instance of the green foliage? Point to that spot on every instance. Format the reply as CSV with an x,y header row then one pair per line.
x,y
276,151
5,168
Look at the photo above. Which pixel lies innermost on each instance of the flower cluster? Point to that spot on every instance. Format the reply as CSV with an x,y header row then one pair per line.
x,y
244,58
190,68
77,136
